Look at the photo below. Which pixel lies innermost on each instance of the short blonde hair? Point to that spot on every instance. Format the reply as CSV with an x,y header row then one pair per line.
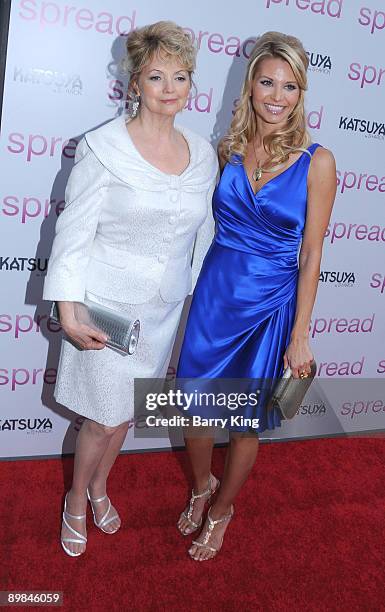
x,y
164,38
242,130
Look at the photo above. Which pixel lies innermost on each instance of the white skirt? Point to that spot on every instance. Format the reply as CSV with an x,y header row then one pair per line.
x,y
100,384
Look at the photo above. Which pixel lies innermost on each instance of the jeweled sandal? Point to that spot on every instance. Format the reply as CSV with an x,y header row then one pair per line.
x,y
187,515
104,520
80,538
205,542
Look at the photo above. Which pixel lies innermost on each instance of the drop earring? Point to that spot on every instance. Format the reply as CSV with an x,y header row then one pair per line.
x,y
135,106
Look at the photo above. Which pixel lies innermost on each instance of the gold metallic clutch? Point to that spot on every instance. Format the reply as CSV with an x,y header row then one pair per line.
x,y
289,392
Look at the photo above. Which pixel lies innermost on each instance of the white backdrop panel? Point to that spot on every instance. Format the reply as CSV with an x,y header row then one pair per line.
x,y
69,81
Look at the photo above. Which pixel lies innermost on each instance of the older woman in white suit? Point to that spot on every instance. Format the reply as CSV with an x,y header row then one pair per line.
x,y
133,234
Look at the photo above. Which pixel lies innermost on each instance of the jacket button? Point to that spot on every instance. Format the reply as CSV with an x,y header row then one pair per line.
x,y
162,258
174,197
167,238
172,220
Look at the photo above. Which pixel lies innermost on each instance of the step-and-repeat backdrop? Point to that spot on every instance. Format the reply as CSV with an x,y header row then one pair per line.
x,y
63,78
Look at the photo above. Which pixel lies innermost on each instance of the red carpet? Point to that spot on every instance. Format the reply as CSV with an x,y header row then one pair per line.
x,y
308,534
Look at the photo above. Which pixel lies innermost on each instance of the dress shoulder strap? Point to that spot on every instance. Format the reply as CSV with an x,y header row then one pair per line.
x,y
313,147
306,159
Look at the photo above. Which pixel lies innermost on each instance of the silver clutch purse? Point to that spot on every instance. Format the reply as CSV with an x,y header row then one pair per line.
x,y
289,392
123,333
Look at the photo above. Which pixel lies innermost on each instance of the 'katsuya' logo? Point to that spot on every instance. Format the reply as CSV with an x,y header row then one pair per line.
x,y
319,62
338,279
23,264
367,127
29,425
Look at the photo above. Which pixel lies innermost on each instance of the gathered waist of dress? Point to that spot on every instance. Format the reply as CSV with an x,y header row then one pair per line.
x,y
272,256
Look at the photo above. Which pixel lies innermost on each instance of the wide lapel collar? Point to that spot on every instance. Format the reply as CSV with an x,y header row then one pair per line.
x,y
113,147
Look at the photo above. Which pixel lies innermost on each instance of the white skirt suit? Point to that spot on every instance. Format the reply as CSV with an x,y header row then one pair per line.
x,y
132,238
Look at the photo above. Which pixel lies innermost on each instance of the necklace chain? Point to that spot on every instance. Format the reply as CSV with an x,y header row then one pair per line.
x,y
259,170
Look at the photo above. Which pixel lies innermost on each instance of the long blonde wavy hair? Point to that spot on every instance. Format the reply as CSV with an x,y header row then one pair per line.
x,y
294,136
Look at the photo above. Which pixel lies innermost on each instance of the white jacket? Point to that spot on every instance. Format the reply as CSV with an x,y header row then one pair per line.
x,y
129,230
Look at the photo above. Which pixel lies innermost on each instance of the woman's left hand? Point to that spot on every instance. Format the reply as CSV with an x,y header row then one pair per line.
x,y
298,356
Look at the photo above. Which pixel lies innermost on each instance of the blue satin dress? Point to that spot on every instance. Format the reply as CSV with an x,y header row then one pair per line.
x,y
244,302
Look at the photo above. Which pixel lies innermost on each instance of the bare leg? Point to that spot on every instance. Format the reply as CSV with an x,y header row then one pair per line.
x,y
199,446
98,483
241,456
91,444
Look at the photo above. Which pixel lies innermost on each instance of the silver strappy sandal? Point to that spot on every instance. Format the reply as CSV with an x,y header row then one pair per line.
x,y
104,520
205,542
80,538
209,492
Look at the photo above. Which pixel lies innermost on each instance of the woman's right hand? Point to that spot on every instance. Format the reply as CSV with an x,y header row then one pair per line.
x,y
81,334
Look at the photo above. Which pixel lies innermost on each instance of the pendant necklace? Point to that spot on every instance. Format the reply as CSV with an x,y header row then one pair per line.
x,y
259,170
257,173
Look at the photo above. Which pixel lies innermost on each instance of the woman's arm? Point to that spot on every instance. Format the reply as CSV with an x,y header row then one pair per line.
x,y
75,231
204,238
84,336
221,155
205,233
322,185
76,228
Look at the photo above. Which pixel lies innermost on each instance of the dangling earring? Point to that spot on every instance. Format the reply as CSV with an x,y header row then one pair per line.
x,y
135,106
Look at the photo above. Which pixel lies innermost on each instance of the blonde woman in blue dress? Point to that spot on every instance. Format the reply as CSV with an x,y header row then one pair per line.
x,y
252,305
